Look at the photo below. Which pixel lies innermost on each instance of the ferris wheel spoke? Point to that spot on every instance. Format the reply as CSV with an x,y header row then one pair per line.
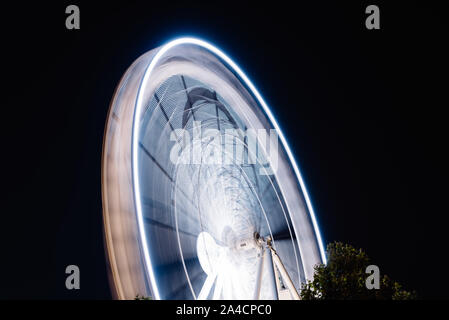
x,y
207,286
218,288
259,274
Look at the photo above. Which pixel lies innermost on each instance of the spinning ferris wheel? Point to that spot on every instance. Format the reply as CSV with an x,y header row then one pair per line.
x,y
202,197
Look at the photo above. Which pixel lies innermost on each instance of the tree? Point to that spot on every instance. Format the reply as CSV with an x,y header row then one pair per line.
x,y
343,278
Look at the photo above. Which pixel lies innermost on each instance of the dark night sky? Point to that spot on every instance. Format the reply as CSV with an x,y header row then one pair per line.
x,y
362,110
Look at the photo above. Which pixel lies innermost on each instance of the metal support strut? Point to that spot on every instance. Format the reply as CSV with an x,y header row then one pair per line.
x,y
267,243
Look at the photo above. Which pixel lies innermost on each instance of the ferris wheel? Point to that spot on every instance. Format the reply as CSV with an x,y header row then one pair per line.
x,y
202,197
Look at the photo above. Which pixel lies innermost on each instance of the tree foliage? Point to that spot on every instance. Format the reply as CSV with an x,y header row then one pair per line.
x,y
343,278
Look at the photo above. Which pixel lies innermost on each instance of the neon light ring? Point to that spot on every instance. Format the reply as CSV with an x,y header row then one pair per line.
x,y
197,202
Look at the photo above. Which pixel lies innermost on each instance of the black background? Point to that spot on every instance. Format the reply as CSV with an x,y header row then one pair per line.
x,y
363,111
